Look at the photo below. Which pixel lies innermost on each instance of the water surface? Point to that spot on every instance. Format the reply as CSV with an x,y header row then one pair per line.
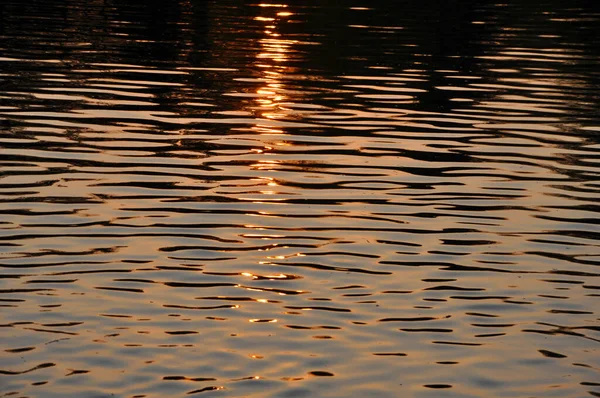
x,y
320,199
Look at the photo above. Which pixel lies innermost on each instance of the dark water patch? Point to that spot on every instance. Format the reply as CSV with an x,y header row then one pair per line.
x,y
455,288
74,372
490,335
493,325
18,350
52,331
40,366
321,308
458,343
414,319
312,327
189,378
187,307
551,354
205,389
52,281
120,289
321,373
387,354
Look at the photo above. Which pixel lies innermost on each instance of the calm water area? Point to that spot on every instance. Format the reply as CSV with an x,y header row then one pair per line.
x,y
299,199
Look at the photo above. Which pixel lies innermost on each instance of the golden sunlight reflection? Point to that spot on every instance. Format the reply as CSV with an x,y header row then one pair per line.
x,y
272,62
266,165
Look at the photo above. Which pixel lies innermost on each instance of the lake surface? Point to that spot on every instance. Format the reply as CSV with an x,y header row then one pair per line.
x,y
299,199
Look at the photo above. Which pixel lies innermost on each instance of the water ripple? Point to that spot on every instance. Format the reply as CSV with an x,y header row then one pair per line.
x,y
207,198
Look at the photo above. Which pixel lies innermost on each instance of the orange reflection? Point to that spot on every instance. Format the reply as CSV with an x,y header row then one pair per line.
x,y
272,62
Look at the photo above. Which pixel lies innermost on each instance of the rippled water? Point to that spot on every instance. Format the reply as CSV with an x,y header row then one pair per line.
x,y
320,199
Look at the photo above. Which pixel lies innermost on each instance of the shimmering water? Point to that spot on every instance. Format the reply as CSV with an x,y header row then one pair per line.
x,y
305,199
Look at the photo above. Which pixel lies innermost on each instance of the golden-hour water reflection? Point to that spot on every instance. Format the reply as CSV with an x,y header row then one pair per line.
x,y
303,199
272,61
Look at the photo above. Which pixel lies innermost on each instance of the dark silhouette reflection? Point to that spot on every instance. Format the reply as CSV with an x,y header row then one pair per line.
x,y
436,37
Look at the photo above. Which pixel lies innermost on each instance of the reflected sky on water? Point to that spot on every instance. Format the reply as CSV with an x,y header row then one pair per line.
x,y
343,199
